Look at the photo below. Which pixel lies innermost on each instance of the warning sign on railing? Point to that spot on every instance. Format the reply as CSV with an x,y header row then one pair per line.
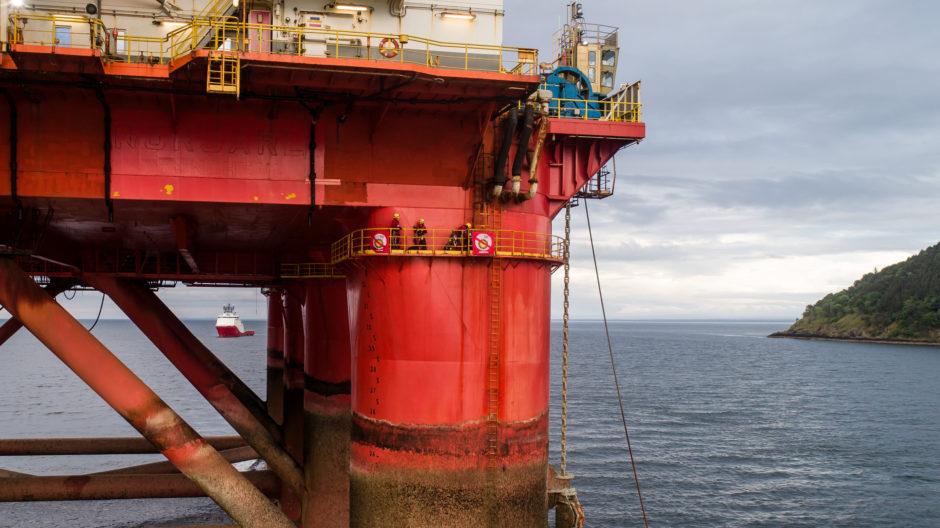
x,y
484,243
380,242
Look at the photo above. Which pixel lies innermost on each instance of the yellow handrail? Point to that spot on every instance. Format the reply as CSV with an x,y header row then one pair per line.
x,y
216,32
599,110
22,33
446,243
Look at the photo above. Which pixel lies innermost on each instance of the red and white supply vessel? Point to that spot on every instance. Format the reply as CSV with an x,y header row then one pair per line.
x,y
229,325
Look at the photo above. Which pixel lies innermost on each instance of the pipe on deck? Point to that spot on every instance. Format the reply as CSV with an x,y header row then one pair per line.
x,y
134,400
107,487
206,372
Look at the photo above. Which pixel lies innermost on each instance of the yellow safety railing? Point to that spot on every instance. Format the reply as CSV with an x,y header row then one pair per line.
x,y
212,31
387,47
602,110
311,270
446,243
67,31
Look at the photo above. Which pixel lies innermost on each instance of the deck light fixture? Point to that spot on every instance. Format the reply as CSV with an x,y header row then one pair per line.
x,y
16,3
458,16
351,7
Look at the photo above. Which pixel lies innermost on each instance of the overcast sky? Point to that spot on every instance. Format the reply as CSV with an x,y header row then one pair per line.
x,y
791,147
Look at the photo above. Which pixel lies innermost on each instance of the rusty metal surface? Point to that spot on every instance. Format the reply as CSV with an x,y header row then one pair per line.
x,y
104,487
97,446
136,402
13,325
206,372
237,454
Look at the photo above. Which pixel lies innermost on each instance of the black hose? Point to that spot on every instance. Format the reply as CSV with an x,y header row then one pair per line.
x,y
528,117
509,130
14,172
107,153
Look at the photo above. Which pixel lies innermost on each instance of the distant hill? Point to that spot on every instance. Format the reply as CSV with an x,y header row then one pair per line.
x,y
900,303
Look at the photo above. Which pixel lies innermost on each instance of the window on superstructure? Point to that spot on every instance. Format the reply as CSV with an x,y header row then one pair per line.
x,y
608,57
63,36
591,75
120,44
607,79
592,58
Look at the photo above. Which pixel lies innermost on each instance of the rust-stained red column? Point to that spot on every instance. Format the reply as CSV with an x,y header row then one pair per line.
x,y
420,338
294,369
203,370
326,405
294,384
128,395
275,371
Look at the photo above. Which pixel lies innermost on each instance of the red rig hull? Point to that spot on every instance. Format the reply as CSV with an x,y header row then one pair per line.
x,y
405,388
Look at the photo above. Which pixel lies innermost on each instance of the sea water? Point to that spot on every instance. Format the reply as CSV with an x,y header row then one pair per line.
x,y
728,427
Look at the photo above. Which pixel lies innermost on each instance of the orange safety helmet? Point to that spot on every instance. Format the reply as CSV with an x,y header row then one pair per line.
x,y
396,215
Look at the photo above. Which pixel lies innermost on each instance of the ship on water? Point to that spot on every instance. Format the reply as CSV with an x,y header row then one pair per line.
x,y
228,324
386,172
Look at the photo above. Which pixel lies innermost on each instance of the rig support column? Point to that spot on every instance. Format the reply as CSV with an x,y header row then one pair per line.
x,y
275,386
204,371
130,397
294,370
326,404
294,386
420,339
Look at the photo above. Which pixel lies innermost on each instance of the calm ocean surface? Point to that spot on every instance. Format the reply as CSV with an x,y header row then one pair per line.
x,y
728,428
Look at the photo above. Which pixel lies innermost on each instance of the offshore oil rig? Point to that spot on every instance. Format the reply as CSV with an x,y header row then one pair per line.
x,y
386,171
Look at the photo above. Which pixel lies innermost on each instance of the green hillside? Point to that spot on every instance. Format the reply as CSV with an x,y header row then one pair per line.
x,y
899,303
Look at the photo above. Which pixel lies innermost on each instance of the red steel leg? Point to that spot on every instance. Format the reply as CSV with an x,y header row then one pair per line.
x,y
294,371
202,369
326,405
294,384
136,402
275,386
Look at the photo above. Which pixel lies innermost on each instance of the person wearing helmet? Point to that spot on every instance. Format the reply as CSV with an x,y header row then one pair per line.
x,y
420,236
396,232
465,237
459,239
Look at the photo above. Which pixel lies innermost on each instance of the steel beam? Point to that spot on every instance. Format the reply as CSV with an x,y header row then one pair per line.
x,y
13,324
134,400
207,373
238,454
106,487
98,446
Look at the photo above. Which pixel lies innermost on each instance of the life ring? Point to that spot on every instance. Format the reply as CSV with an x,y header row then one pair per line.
x,y
389,48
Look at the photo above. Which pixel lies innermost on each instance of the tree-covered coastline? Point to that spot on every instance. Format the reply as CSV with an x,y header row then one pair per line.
x,y
900,303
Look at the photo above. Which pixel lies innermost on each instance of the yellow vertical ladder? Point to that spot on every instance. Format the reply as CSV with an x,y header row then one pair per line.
x,y
493,212
224,73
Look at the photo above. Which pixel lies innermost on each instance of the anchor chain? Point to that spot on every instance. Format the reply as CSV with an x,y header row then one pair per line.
x,y
564,347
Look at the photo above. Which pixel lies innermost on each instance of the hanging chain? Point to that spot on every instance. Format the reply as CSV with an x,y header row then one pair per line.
x,y
564,348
